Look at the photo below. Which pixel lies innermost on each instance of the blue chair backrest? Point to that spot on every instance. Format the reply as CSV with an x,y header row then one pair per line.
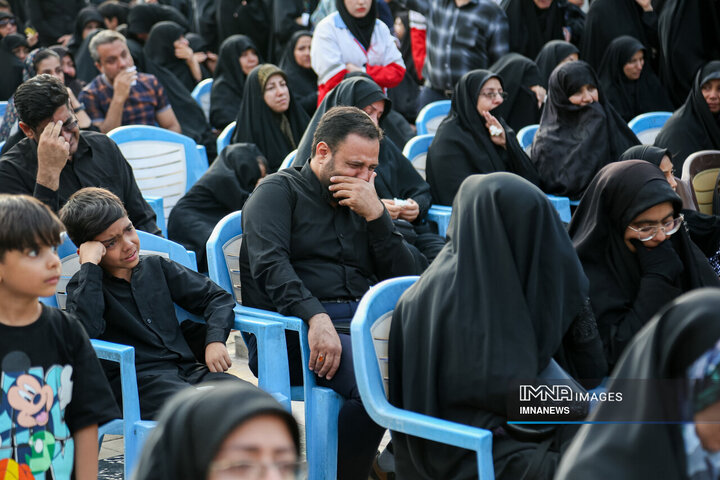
x,y
225,137
201,94
370,329
165,164
288,160
525,137
648,125
416,151
218,248
431,115
3,107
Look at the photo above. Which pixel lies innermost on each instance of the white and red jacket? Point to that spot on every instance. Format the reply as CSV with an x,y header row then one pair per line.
x,y
333,46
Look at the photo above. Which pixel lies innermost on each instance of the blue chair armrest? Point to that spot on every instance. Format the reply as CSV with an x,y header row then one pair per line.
x,y
562,205
202,151
440,214
156,203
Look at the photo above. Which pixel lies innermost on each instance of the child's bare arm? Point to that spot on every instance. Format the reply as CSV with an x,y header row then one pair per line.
x,y
86,453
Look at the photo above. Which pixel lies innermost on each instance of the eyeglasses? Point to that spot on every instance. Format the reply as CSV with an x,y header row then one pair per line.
x,y
258,470
648,233
492,94
69,127
7,21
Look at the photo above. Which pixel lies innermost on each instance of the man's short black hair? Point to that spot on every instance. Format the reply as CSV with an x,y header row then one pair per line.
x,y
27,223
114,9
339,122
37,99
89,212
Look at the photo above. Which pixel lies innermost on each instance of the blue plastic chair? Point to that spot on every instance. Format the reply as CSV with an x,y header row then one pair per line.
x,y
648,125
156,203
525,137
201,94
165,164
370,330
3,107
225,137
322,405
288,160
2,144
431,115
416,151
562,205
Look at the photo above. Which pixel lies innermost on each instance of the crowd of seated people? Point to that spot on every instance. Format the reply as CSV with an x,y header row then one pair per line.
x,y
340,86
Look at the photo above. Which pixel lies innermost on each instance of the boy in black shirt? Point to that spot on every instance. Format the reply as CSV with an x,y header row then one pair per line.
x,y
120,297
53,393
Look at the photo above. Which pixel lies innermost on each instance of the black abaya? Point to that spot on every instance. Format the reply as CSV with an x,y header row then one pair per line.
x,y
12,75
462,144
302,81
693,127
550,57
85,69
631,97
159,49
229,82
248,17
462,331
664,349
519,73
624,293
221,190
573,142
257,124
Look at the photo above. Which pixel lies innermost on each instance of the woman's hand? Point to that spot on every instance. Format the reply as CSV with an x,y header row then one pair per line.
x,y
540,93
497,132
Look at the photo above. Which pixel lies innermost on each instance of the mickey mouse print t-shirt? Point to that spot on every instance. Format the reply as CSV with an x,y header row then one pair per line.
x,y
51,385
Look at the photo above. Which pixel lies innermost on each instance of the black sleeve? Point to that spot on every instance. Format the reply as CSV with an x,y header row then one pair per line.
x,y
140,213
391,255
650,23
92,400
85,298
583,349
46,27
11,181
284,25
199,295
267,238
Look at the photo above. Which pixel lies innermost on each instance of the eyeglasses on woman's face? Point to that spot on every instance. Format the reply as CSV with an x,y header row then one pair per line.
x,y
648,232
491,94
259,470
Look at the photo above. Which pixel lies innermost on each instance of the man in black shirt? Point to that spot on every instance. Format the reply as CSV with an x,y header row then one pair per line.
x,y
316,238
56,159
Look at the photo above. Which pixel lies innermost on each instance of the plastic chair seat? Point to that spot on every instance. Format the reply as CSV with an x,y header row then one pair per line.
x,y
431,116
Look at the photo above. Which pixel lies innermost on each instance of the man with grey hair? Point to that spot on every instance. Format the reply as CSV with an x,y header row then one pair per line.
x,y
121,95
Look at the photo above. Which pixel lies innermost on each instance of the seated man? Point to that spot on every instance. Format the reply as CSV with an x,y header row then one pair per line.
x,y
56,159
120,95
316,238
120,297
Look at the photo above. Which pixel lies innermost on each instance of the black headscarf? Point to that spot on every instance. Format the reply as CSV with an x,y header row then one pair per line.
x,y
302,81
85,69
397,178
551,55
229,80
160,50
85,16
462,144
689,33
532,27
519,73
461,332
573,142
188,112
619,193
361,28
693,127
144,16
609,19
194,423
664,349
221,190
270,131
12,75
631,97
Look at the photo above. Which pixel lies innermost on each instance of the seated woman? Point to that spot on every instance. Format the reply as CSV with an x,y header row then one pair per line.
x,y
579,133
396,178
554,53
238,56
704,229
302,79
629,235
269,116
353,39
525,93
471,140
681,346
629,82
170,49
696,125
222,431
462,332
221,190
